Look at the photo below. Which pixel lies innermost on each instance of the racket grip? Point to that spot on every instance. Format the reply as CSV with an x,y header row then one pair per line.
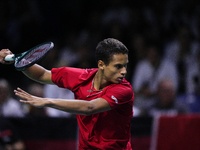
x,y
10,57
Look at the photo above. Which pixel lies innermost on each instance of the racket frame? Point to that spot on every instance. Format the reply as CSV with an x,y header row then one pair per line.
x,y
18,57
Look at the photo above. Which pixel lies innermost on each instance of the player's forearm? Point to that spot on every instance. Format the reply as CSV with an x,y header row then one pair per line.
x,y
39,74
72,106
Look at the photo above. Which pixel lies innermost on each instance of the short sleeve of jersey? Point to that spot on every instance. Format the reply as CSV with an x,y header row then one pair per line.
x,y
65,77
119,94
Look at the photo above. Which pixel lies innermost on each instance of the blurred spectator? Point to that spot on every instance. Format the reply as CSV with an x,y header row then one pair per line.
x,y
37,90
53,91
165,102
9,136
148,73
181,51
9,107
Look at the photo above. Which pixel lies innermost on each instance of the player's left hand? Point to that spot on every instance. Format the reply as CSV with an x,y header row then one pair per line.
x,y
30,99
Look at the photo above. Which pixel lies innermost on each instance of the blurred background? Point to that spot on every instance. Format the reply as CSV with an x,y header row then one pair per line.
x,y
164,65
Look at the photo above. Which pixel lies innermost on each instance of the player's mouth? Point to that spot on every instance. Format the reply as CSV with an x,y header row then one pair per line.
x,y
120,79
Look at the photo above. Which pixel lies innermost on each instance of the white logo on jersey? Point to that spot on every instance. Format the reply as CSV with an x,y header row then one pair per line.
x,y
114,98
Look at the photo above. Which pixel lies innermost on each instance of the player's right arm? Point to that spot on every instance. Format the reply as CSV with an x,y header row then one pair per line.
x,y
38,74
35,72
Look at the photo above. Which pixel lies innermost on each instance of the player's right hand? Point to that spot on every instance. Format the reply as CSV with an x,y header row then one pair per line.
x,y
3,54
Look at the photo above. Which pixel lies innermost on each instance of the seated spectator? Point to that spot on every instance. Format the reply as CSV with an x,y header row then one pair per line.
x,y
9,107
165,101
148,73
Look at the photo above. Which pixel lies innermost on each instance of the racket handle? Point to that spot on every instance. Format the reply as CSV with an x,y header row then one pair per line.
x,y
10,57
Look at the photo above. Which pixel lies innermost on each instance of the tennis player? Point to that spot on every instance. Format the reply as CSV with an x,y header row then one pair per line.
x,y
103,98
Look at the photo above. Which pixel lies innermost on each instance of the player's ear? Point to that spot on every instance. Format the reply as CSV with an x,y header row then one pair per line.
x,y
101,64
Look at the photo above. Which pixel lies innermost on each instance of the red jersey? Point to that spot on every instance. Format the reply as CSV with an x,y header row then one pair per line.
x,y
109,130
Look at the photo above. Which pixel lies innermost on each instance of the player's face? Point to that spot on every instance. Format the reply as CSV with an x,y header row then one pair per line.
x,y
116,70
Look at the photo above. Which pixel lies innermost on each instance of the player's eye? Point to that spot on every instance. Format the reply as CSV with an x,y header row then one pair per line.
x,y
119,66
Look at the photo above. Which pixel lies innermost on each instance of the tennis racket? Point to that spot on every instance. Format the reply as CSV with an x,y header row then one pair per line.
x,y
30,57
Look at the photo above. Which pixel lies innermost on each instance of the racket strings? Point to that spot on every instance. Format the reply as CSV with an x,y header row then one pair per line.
x,y
36,53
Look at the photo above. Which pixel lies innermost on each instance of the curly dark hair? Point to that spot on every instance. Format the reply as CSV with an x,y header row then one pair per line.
x,y
107,48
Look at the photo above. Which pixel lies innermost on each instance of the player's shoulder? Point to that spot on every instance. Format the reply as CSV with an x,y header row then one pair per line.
x,y
121,91
91,70
87,73
122,87
125,83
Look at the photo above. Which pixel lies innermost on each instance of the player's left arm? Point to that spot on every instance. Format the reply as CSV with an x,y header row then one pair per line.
x,y
81,107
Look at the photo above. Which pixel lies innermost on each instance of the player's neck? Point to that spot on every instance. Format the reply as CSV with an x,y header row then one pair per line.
x,y
99,81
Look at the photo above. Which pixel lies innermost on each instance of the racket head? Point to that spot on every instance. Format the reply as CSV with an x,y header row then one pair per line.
x,y
33,55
